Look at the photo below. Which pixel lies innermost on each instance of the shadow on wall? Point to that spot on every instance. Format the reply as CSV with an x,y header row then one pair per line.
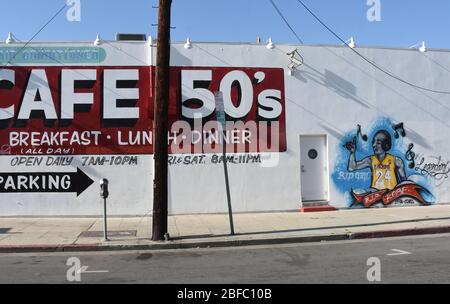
x,y
333,82
329,79
339,135
347,90
418,139
178,59
212,55
336,129
398,93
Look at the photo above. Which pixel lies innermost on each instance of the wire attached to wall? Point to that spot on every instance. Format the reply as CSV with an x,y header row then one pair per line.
x,y
390,74
34,36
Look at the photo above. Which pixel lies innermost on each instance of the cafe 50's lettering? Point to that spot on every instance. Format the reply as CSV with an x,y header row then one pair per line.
x,y
83,110
38,93
109,110
251,97
238,95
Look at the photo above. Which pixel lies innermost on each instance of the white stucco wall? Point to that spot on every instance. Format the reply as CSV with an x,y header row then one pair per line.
x,y
330,94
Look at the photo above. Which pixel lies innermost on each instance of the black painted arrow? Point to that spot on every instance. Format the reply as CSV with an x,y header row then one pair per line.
x,y
45,182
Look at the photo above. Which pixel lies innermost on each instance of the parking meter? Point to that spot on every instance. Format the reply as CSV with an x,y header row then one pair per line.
x,y
104,192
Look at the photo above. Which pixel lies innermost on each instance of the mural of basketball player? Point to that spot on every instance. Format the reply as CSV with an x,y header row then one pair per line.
x,y
387,170
380,177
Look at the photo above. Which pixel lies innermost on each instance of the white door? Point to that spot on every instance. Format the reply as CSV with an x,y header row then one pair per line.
x,y
314,168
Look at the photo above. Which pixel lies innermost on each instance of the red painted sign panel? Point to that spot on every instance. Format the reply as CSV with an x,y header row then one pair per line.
x,y
109,110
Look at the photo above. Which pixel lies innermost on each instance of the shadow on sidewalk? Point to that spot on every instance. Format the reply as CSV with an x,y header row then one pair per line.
x,y
310,229
4,230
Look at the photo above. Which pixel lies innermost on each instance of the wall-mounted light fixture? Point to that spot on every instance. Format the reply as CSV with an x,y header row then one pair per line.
x,y
423,48
296,60
98,40
10,38
270,45
188,44
351,42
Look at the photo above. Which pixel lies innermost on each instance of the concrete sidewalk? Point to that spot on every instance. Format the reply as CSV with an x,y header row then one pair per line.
x,y
191,231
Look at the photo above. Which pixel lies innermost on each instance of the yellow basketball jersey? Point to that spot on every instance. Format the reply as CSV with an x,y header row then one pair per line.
x,y
383,174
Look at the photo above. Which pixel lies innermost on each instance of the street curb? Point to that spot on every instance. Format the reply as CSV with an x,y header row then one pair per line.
x,y
47,248
403,232
171,245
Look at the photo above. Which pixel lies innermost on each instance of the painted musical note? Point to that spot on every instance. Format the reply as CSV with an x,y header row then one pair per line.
x,y
359,133
399,130
411,156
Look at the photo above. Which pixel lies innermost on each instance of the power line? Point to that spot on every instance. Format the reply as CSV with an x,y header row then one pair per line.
x,y
390,74
126,53
34,36
67,66
285,20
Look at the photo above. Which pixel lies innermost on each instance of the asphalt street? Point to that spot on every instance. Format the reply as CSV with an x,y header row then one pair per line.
x,y
421,259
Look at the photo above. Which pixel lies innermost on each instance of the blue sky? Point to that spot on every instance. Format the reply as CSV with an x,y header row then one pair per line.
x,y
404,22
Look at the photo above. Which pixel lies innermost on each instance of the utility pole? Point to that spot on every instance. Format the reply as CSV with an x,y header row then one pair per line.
x,y
160,183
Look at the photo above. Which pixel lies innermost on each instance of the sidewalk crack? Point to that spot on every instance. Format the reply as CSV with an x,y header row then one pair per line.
x,y
89,228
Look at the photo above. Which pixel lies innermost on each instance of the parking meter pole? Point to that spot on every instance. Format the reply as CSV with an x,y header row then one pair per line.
x,y
221,119
104,193
105,224
227,183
